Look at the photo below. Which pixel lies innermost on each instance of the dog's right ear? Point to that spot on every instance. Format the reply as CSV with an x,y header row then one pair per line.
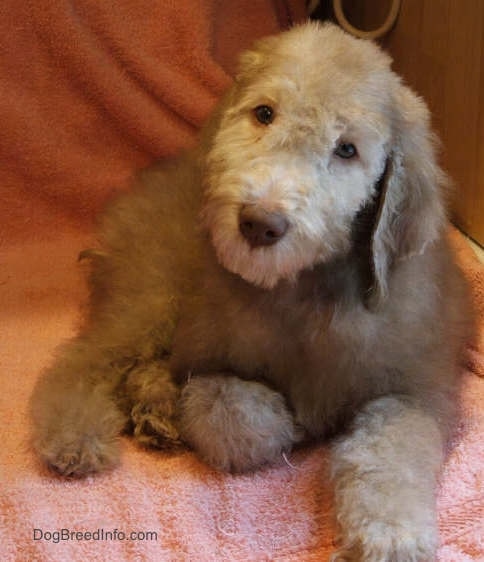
x,y
411,213
249,63
255,60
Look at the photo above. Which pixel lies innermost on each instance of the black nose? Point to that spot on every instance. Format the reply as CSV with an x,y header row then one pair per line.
x,y
261,228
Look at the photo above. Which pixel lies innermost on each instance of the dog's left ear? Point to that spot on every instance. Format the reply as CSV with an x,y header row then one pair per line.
x,y
411,212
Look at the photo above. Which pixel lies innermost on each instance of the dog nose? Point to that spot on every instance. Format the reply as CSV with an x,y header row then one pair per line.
x,y
260,227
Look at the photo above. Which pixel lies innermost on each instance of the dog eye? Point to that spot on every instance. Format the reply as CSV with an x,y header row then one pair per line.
x,y
264,114
346,150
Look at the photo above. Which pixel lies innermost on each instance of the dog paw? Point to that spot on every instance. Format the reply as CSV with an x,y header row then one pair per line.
x,y
77,433
380,542
150,400
155,429
235,425
80,457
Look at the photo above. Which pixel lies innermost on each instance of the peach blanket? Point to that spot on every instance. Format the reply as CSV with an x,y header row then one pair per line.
x,y
90,91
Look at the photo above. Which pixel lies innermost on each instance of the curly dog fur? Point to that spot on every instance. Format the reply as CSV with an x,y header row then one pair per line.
x,y
289,279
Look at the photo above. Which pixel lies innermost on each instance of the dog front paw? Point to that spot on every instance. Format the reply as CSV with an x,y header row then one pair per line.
x,y
385,471
79,458
379,541
77,434
235,425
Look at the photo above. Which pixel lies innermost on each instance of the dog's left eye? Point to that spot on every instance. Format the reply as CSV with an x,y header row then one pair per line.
x,y
346,150
264,114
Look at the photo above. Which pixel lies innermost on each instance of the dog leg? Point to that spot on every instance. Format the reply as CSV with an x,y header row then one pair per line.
x,y
235,425
385,473
76,422
78,407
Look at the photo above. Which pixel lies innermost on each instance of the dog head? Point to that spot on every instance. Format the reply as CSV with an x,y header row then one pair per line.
x,y
314,124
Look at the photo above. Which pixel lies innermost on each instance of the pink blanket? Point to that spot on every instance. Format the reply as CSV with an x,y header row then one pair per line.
x,y
85,100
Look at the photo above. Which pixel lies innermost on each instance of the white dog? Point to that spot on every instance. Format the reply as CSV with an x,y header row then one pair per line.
x,y
289,279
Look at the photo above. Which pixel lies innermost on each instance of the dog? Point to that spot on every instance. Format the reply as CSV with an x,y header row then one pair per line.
x,y
289,279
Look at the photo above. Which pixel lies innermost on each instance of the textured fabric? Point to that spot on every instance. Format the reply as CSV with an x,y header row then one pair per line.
x,y
92,90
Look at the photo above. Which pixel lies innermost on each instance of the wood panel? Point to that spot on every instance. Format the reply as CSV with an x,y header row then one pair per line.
x,y
438,46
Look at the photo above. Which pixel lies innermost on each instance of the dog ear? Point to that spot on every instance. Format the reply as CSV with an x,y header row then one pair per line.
x,y
257,59
411,213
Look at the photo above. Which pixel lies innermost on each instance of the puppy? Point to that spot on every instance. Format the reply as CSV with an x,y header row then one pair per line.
x,y
288,279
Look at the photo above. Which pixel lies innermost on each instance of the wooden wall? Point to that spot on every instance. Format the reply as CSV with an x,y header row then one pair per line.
x,y
438,46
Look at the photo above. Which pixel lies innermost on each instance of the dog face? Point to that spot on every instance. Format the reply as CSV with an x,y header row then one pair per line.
x,y
301,142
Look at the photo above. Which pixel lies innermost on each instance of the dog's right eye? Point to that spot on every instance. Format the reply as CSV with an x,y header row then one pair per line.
x,y
264,114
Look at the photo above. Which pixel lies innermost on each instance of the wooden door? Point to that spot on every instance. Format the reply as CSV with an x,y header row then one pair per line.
x,y
438,46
